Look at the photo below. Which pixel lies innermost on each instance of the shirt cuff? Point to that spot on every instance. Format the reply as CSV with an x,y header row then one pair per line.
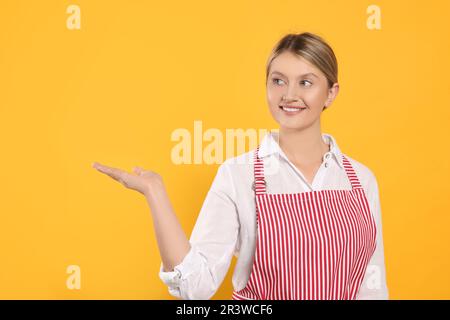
x,y
180,272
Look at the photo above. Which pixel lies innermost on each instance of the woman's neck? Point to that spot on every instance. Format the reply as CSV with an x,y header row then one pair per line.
x,y
303,147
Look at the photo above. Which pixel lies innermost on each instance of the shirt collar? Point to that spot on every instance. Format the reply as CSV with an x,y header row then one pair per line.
x,y
269,145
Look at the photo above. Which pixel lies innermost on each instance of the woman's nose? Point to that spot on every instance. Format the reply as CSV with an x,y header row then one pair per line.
x,y
292,94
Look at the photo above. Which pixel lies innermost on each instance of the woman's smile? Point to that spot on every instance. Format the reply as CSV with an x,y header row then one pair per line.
x,y
291,110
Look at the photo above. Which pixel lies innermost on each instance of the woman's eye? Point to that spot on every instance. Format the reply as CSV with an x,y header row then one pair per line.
x,y
309,82
275,81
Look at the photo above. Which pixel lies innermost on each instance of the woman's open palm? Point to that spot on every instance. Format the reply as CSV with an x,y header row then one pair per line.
x,y
140,180
172,241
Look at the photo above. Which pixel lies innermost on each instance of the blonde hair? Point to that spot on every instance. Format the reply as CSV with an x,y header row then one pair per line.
x,y
312,48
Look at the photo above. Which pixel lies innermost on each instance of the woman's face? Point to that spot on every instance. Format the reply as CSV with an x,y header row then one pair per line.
x,y
302,85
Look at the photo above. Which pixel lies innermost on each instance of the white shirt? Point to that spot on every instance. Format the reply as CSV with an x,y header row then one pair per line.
x,y
226,224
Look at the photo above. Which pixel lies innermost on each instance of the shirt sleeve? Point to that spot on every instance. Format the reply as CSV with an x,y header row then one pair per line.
x,y
374,285
213,241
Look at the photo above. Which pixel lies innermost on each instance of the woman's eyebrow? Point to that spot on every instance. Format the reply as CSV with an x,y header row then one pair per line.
x,y
302,75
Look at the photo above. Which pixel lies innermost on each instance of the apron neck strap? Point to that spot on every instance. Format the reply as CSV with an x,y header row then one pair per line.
x,y
351,174
259,185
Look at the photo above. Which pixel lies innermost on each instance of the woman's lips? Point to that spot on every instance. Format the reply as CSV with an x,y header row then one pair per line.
x,y
292,110
288,106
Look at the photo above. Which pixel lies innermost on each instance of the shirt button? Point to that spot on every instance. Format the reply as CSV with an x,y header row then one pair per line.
x,y
326,164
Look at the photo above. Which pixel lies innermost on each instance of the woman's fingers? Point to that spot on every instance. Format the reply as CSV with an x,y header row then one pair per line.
x,y
138,170
139,181
114,173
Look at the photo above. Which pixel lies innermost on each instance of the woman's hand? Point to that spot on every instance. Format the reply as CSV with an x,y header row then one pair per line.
x,y
172,241
140,180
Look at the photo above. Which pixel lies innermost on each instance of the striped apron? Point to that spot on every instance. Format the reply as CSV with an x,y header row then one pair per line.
x,y
310,245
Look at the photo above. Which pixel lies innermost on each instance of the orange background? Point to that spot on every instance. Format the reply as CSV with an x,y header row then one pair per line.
x,y
114,91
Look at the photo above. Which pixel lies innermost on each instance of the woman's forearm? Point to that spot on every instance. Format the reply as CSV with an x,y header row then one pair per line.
x,y
170,236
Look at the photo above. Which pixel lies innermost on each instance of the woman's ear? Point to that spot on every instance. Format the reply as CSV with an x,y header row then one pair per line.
x,y
333,91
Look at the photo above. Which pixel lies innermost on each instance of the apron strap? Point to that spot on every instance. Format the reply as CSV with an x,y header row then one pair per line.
x,y
351,174
259,184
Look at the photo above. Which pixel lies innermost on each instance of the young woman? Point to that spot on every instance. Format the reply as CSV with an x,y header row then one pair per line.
x,y
311,229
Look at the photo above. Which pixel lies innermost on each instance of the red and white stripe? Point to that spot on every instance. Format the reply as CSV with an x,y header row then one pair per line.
x,y
310,245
